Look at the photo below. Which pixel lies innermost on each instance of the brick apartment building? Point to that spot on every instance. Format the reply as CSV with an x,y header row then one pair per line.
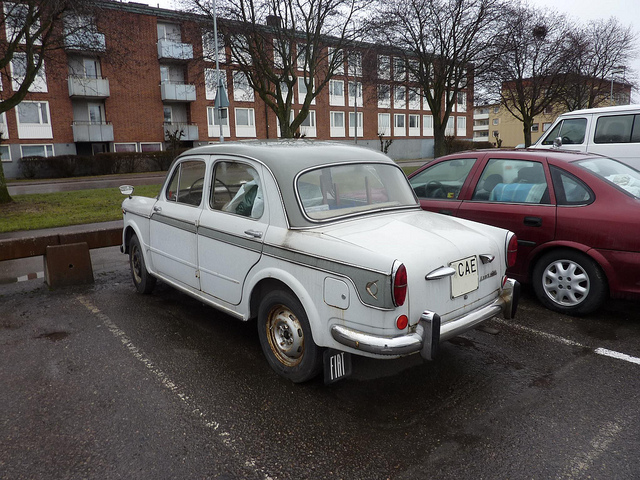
x,y
144,71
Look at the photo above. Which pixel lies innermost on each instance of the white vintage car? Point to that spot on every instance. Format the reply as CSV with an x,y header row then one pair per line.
x,y
326,245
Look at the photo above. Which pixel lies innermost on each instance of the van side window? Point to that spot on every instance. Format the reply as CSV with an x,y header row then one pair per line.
x,y
614,129
572,132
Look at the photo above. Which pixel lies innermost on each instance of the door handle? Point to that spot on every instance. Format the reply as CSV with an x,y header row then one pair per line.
x,y
533,221
253,233
157,209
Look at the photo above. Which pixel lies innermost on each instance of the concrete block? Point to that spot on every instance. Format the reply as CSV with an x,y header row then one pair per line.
x,y
68,265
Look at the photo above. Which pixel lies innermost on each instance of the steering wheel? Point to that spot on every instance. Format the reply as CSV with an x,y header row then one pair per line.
x,y
435,189
225,187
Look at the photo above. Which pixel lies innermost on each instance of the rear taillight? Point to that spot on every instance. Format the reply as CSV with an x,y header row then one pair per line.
x,y
512,250
399,284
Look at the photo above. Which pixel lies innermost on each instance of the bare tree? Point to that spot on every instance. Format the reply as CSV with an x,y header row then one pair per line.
x,y
595,52
32,31
529,69
445,43
283,45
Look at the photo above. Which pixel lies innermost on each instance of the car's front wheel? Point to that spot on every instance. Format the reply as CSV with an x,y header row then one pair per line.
x,y
142,279
285,337
569,282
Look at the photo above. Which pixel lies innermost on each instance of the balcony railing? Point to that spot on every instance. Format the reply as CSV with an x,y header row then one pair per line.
x,y
83,87
189,130
92,132
177,92
168,50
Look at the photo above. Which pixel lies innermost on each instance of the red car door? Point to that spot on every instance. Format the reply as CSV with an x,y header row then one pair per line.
x,y
515,194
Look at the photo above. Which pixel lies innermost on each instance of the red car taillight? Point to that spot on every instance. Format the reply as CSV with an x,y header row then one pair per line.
x,y
399,284
512,250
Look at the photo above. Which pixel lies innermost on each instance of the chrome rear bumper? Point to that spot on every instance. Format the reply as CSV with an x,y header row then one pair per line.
x,y
430,331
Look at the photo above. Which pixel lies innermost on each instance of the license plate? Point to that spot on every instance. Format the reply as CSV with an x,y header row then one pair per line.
x,y
465,279
337,365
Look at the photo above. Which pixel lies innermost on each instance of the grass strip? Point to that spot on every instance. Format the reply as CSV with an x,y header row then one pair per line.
x,y
61,209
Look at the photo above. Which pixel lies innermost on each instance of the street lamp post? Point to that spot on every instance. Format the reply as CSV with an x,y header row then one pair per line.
x,y
616,71
221,95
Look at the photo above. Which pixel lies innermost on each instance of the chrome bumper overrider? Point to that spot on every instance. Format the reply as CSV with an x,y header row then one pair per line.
x,y
430,331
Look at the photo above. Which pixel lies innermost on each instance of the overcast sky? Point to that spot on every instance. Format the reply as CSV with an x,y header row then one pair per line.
x,y
627,11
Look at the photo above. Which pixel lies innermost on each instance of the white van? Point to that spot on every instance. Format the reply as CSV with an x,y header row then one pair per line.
x,y
610,131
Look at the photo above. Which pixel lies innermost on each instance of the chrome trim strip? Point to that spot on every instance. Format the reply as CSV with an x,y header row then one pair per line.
x,y
174,222
439,273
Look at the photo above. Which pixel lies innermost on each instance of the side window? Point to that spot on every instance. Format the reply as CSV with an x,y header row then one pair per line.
x,y
512,181
614,129
442,180
570,190
237,189
572,131
186,183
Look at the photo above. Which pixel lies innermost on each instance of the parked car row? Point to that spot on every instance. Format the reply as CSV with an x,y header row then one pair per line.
x,y
576,216
325,245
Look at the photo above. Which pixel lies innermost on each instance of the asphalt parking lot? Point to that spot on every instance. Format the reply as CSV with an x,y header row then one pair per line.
x,y
101,382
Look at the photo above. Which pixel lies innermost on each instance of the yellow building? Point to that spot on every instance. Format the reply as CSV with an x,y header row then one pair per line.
x,y
492,123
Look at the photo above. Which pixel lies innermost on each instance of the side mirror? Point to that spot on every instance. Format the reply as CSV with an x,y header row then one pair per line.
x,y
126,190
557,142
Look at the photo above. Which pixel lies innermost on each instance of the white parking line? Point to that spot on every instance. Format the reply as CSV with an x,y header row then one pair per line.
x,y
598,351
169,384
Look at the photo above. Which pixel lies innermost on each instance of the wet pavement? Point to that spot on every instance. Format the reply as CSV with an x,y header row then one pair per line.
x,y
101,382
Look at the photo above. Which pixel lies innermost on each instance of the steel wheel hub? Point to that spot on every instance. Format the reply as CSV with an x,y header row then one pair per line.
x,y
285,336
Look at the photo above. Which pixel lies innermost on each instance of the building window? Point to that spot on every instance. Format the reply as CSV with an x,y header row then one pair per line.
x,y
352,123
336,93
337,124
303,56
384,67
168,114
399,69
242,91
150,147
240,50
496,110
36,150
245,122
400,97
450,128
399,127
211,83
33,120
462,102
213,125
15,17
462,126
414,98
384,96
5,153
535,127
496,121
209,48
427,125
354,64
355,94
414,125
302,91
384,124
125,147
336,57
308,125
19,71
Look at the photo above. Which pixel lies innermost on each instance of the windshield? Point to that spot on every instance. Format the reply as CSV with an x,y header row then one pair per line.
x,y
619,174
338,190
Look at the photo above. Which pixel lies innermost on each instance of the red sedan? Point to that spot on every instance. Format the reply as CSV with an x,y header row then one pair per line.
x,y
576,216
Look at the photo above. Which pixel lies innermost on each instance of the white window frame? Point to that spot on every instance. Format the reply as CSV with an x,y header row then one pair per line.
x,y
450,130
42,129
301,55
384,118
302,91
213,127
384,67
240,54
427,125
355,93
309,131
415,130
248,130
413,66
384,101
39,84
242,91
461,102
209,47
278,60
333,52
399,130
399,69
4,130
158,144
336,130
48,150
354,64
461,126
5,158
360,124
414,96
400,96
11,27
211,83
336,100
116,145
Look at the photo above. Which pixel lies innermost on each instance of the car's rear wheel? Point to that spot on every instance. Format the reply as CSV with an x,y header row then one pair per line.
x,y
142,279
285,337
569,282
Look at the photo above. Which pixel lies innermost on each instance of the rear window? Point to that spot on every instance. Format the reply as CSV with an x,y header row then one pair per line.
x,y
616,173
